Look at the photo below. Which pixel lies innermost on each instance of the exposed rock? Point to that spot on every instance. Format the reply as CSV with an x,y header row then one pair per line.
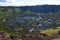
x,y
4,36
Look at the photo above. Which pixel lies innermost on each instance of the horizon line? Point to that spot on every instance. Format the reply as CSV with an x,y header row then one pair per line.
x,y
30,5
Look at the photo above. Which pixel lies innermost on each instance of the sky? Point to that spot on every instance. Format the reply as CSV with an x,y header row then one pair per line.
x,y
28,2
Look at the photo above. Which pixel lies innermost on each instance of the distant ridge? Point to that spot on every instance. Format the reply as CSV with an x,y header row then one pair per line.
x,y
38,8
42,8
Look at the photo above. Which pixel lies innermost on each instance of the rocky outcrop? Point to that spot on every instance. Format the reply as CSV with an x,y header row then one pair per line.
x,y
4,36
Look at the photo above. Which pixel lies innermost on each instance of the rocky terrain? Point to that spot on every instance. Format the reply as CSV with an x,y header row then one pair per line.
x,y
5,36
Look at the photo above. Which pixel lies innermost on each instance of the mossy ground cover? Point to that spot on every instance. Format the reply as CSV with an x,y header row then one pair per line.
x,y
51,31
